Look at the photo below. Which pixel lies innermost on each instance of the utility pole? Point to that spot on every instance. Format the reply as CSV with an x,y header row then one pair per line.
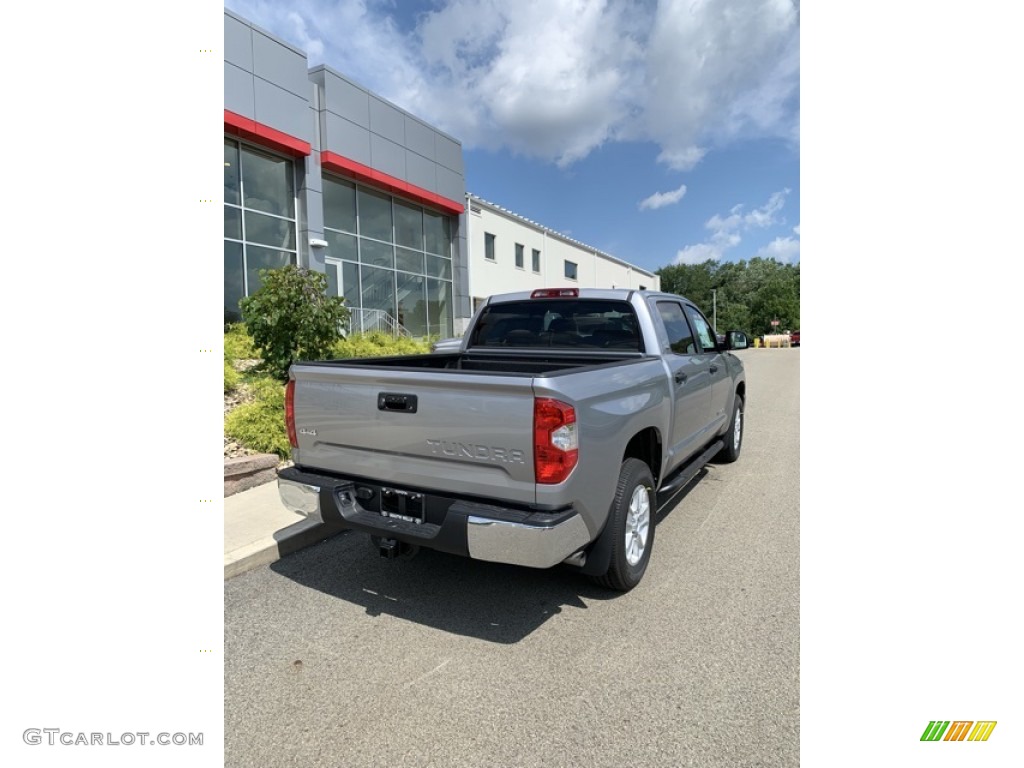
x,y
714,305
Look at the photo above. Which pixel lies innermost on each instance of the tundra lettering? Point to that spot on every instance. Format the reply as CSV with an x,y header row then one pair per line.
x,y
473,451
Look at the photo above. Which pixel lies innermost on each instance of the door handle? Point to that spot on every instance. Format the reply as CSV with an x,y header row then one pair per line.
x,y
680,377
391,401
714,369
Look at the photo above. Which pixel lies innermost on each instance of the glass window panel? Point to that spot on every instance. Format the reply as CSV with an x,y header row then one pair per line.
x,y
680,337
267,230
536,260
438,267
232,190
267,183
408,225
257,258
234,281
379,254
412,304
232,222
379,289
339,205
488,246
570,270
438,231
341,246
439,318
350,281
375,215
410,261
331,269
519,255
704,333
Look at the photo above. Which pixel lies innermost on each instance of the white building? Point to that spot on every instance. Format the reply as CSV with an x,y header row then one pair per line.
x,y
510,253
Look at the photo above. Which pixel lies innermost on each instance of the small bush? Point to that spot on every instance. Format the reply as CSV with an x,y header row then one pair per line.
x,y
259,425
238,344
232,378
291,317
377,345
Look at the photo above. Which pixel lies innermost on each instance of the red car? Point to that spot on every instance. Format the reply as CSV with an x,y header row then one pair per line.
x,y
794,339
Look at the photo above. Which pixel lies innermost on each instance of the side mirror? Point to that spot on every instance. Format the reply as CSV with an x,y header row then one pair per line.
x,y
736,340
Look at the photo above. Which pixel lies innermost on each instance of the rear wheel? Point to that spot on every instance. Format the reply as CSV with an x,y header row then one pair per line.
x,y
632,527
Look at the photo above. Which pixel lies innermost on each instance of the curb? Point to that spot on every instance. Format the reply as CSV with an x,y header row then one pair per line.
x,y
245,472
272,548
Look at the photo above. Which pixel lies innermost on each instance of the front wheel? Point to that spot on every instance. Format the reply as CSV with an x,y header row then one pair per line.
x,y
632,527
734,436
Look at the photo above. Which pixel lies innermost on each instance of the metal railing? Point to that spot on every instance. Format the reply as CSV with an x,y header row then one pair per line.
x,y
376,321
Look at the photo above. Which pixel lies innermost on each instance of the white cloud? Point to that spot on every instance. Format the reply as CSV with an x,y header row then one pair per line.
x,y
547,78
556,79
765,215
719,70
725,231
661,199
685,159
784,249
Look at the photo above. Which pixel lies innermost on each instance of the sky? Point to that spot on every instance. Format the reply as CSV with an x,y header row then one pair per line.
x,y
660,132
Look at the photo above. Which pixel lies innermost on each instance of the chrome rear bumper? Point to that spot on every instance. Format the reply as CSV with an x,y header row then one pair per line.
x,y
533,546
533,540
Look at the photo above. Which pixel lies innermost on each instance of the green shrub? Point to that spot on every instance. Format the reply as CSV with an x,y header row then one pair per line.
x,y
291,317
377,345
232,378
259,425
238,343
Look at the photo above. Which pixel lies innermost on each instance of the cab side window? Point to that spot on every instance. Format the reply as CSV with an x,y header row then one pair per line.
x,y
680,337
705,335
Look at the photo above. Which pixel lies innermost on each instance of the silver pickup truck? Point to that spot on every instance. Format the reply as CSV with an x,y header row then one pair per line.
x,y
555,432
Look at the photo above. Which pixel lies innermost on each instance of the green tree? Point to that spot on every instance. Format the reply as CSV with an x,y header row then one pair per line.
x,y
694,281
291,317
748,295
774,294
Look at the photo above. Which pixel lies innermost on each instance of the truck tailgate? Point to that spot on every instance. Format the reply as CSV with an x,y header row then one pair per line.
x,y
463,433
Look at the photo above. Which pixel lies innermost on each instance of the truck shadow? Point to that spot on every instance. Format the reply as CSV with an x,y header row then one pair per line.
x,y
494,602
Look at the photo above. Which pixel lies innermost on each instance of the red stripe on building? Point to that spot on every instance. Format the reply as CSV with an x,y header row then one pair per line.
x,y
247,128
339,164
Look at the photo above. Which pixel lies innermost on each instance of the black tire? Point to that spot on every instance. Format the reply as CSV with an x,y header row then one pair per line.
x,y
635,480
733,435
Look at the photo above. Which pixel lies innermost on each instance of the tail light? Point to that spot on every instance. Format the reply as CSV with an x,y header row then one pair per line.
x,y
555,293
289,412
555,442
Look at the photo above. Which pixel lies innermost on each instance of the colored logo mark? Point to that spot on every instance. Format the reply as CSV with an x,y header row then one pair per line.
x,y
958,730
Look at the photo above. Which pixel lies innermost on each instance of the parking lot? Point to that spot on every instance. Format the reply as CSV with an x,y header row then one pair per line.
x,y
334,656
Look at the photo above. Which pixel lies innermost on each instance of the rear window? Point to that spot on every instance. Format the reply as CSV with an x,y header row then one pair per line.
x,y
559,324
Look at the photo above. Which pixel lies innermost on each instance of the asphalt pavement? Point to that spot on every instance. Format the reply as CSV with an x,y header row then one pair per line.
x,y
334,656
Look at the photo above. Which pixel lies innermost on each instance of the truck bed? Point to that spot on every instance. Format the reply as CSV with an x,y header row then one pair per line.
x,y
515,363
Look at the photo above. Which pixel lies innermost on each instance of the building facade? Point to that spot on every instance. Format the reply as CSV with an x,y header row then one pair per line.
x,y
322,173
512,253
